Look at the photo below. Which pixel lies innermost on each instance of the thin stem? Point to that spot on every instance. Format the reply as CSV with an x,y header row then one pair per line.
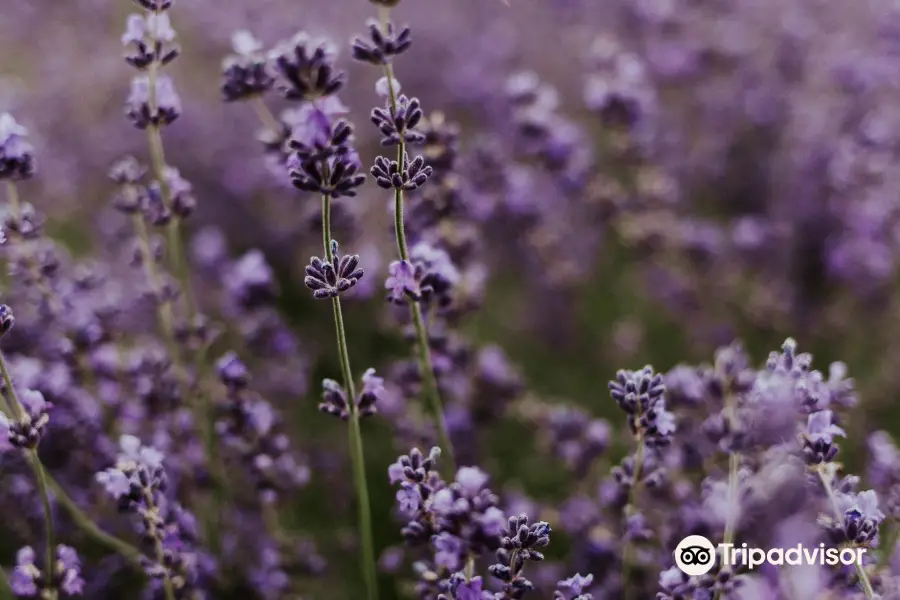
x,y
432,391
426,365
6,592
41,476
627,558
15,408
825,477
357,453
158,548
734,464
163,306
176,250
158,163
86,524
265,115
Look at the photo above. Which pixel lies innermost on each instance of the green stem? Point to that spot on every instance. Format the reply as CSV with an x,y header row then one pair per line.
x,y
41,476
163,306
6,592
426,365
734,464
158,163
87,525
627,558
825,477
265,115
432,392
357,453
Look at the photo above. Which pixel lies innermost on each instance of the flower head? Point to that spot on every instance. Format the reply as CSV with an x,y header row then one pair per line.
x,y
16,154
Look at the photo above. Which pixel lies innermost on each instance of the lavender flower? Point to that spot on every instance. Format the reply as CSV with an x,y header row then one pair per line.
x,y
28,581
305,68
818,437
574,588
245,73
385,44
410,176
641,395
152,36
26,431
167,102
397,123
16,154
330,279
335,402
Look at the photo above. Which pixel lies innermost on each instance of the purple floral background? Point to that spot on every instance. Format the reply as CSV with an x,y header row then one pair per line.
x,y
332,299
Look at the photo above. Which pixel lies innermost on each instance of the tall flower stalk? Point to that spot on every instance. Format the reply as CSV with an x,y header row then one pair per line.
x,y
397,125
167,201
152,36
324,162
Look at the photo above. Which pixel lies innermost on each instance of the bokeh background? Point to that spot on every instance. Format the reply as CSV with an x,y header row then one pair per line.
x,y
689,172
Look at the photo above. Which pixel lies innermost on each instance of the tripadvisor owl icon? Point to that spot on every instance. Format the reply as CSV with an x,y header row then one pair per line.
x,y
695,555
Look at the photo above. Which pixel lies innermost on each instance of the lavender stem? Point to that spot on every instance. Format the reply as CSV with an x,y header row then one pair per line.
x,y
734,463
41,476
158,162
357,454
632,502
426,366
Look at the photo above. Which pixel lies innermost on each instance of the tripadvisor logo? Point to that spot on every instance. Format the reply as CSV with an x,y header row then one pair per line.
x,y
695,555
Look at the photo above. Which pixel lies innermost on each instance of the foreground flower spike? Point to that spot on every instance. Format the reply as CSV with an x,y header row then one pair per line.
x,y
28,581
305,68
398,120
331,279
323,160
16,154
389,174
383,45
334,396
245,73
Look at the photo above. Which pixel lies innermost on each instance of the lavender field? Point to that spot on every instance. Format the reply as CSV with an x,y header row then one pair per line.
x,y
449,299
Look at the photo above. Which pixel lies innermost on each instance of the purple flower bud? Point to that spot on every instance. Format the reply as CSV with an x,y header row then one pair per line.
x,y
16,154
